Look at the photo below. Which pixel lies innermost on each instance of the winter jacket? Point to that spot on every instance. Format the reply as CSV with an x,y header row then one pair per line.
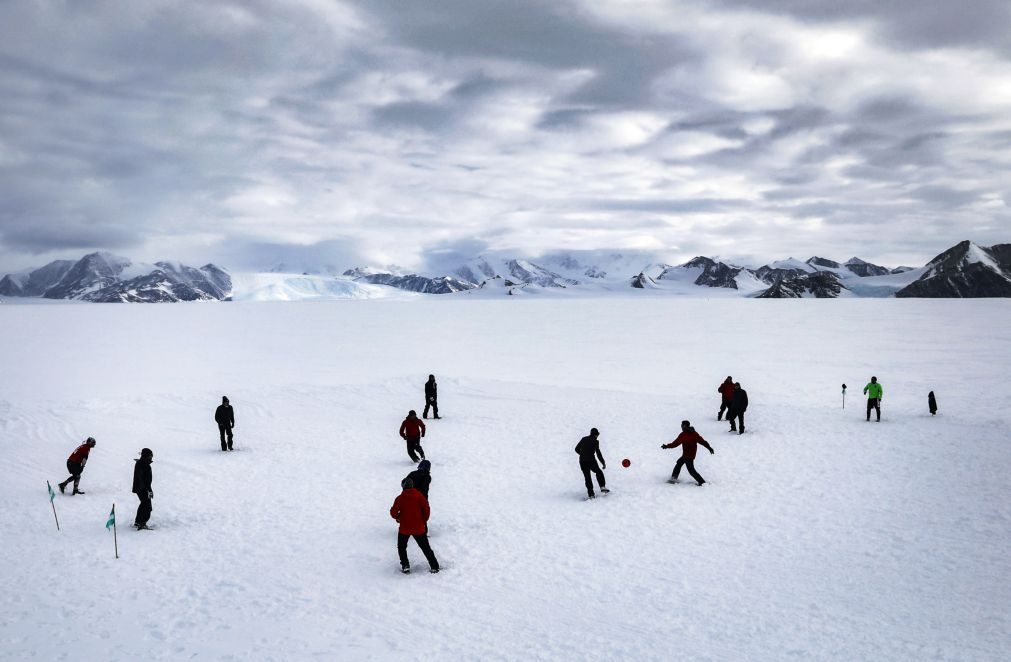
x,y
412,429
142,477
589,449
874,390
422,480
431,390
411,510
688,440
224,415
726,389
739,403
80,454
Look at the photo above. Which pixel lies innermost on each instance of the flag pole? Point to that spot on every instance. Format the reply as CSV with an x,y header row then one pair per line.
x,y
52,495
844,396
115,540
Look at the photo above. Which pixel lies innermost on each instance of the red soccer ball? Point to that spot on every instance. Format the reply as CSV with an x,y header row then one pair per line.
x,y
626,463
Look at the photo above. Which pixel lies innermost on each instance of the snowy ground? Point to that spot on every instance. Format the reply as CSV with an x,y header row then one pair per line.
x,y
819,536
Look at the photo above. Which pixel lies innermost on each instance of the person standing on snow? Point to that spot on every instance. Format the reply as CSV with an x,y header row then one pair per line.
x,y
874,392
688,440
225,418
75,465
411,431
142,488
588,450
411,511
422,477
431,397
738,405
932,403
726,390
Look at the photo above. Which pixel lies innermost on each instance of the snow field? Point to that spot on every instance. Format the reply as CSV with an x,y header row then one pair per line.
x,y
818,536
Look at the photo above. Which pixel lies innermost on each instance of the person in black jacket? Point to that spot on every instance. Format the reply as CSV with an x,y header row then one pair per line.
x,y
738,405
225,418
431,398
142,487
588,449
932,403
422,477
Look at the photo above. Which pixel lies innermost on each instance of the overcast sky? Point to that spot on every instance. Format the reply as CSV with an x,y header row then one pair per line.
x,y
391,131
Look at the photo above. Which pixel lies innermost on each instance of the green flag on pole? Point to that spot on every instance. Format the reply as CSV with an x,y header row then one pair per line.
x,y
52,494
111,522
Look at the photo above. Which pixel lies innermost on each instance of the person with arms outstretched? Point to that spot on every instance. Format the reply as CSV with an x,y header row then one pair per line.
x,y
411,511
411,431
874,393
75,465
688,440
588,450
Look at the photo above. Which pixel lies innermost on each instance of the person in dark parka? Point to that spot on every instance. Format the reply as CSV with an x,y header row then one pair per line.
x,y
932,403
738,405
411,511
225,418
142,487
588,450
726,391
422,477
75,465
411,431
688,440
431,397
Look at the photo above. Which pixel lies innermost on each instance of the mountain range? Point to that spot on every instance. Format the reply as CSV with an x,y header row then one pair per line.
x,y
964,270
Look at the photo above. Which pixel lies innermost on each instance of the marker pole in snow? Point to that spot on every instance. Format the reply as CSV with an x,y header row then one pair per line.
x,y
111,522
52,495
844,396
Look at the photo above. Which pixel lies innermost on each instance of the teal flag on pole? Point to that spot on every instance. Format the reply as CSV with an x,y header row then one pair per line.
x,y
52,494
112,519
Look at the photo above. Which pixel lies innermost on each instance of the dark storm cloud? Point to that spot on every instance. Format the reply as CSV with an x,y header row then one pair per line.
x,y
395,132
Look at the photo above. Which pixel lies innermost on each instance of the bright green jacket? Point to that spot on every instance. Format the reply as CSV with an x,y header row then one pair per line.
x,y
874,390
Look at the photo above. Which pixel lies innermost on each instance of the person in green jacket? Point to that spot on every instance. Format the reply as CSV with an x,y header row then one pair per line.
x,y
874,393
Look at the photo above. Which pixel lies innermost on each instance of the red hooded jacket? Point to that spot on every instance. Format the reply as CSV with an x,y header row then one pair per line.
x,y
726,389
411,510
688,441
80,455
412,428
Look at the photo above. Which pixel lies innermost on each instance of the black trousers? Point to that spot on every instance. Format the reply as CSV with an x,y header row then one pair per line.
x,y
592,467
432,403
225,431
736,419
143,509
873,404
682,462
75,469
426,549
724,405
414,449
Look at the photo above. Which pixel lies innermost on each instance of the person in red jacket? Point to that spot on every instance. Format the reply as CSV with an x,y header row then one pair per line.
x,y
411,431
411,510
688,440
75,465
726,389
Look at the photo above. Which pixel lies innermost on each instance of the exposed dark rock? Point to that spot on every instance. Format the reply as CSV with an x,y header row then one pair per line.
x,y
965,270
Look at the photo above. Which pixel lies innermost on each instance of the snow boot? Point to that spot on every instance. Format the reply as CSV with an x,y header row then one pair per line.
x,y
63,488
673,481
434,571
604,490
142,527
406,569
77,492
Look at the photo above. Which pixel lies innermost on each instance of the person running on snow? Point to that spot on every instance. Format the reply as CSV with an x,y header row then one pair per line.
x,y
75,465
874,393
431,397
411,511
688,440
738,405
726,390
588,449
142,488
932,403
225,418
411,431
